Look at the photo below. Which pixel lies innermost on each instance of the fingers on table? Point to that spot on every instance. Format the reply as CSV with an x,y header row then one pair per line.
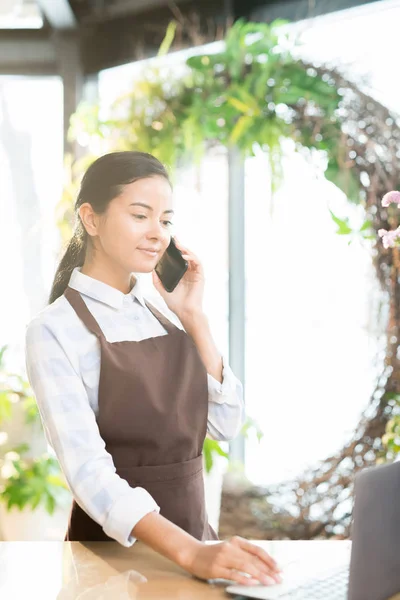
x,y
244,563
259,552
237,577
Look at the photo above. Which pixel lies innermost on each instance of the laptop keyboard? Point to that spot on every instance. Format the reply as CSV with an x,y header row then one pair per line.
x,y
333,587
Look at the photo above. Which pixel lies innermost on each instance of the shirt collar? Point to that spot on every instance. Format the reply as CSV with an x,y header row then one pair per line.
x,y
102,291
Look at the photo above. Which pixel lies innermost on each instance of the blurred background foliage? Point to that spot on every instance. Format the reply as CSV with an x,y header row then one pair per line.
x,y
244,95
255,93
26,479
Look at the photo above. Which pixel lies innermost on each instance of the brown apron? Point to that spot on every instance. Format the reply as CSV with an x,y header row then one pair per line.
x,y
153,406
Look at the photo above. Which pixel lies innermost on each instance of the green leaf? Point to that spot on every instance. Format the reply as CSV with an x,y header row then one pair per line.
x,y
31,409
242,124
239,105
248,98
168,39
277,23
211,447
36,481
50,503
343,227
366,225
260,83
3,350
5,406
344,230
18,466
58,481
344,179
208,459
249,425
36,501
21,448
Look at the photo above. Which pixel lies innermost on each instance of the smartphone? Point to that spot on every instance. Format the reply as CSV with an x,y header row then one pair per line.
x,y
171,267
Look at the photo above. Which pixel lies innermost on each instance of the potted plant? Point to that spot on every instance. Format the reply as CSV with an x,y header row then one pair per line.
x,y
34,496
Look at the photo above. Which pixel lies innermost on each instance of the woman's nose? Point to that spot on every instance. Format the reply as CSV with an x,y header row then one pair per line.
x,y
157,231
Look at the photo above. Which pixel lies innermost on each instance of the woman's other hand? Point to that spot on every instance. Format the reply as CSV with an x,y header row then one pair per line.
x,y
236,559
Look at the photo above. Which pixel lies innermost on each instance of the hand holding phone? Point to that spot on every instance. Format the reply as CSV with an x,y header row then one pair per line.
x,y
171,267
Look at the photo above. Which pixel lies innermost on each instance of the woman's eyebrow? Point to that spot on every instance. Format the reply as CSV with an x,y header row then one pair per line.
x,y
148,207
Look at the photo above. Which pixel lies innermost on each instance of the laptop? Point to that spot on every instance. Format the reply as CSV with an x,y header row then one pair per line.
x,y
368,569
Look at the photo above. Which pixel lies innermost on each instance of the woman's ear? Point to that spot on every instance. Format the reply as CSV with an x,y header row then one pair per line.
x,y
89,218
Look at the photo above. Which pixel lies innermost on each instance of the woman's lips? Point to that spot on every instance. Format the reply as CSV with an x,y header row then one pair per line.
x,y
149,252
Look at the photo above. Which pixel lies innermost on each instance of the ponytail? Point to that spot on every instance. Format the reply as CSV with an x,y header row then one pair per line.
x,y
74,256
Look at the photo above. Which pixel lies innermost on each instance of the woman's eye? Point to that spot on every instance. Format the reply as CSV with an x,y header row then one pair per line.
x,y
143,217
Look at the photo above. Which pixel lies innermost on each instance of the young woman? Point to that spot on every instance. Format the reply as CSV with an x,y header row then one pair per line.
x,y
126,393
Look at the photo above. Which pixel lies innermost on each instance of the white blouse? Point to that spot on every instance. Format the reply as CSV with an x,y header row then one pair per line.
x,y
63,366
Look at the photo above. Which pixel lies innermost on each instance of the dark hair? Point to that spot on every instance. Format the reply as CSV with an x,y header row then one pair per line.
x,y
103,181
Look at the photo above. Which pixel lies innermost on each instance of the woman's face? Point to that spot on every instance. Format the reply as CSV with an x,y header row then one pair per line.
x,y
134,232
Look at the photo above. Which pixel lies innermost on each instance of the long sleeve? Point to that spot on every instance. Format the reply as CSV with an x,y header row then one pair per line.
x,y
225,405
71,429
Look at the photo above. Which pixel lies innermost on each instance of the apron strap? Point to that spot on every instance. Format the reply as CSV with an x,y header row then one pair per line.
x,y
79,306
166,323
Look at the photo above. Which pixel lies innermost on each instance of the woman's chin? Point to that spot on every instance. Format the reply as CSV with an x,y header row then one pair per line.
x,y
144,268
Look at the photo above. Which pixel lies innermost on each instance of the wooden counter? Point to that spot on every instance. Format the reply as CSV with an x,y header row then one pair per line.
x,y
107,570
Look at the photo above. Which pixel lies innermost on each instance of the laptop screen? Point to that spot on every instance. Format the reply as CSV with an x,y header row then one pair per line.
x,y
375,556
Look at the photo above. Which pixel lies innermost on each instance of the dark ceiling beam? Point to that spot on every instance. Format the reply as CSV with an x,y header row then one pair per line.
x,y
27,52
126,7
135,37
58,13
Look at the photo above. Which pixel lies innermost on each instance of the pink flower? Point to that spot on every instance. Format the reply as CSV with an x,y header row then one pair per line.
x,y
389,237
391,198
